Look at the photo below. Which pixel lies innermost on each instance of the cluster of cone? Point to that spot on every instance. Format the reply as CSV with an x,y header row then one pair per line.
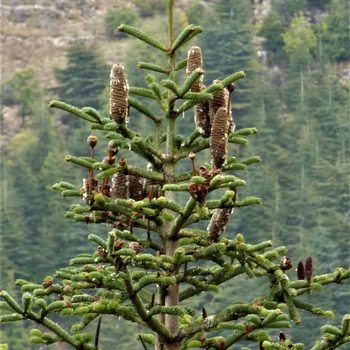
x,y
213,116
124,186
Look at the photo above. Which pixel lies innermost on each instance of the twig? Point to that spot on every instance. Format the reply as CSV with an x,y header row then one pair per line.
x,y
143,343
97,334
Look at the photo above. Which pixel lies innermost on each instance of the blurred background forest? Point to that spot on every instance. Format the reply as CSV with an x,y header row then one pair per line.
x,y
296,55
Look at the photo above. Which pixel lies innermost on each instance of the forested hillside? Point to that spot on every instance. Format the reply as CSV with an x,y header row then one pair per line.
x,y
296,55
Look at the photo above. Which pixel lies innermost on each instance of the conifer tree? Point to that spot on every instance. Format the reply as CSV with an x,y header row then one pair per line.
x,y
157,256
228,26
84,78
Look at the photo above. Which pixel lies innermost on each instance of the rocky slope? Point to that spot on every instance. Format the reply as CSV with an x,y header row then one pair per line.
x,y
36,36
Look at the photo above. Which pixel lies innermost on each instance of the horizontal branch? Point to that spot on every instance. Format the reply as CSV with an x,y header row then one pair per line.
x,y
142,36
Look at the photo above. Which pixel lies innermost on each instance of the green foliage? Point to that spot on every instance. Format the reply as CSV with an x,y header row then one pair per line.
x,y
335,36
228,31
295,6
149,8
305,138
22,90
318,3
115,17
288,8
195,12
84,78
272,30
299,39
29,210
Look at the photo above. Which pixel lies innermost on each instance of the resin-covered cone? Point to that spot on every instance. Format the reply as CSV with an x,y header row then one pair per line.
x,y
202,116
218,223
218,138
308,269
221,99
119,186
135,188
194,61
119,91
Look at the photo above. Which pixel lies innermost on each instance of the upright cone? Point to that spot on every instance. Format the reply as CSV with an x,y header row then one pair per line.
x,y
119,91
218,223
135,188
194,61
202,117
221,99
218,138
119,186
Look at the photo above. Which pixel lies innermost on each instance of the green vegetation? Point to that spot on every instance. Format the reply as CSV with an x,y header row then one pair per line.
x,y
298,102
195,12
335,31
83,79
24,91
272,31
115,17
228,31
299,39
149,8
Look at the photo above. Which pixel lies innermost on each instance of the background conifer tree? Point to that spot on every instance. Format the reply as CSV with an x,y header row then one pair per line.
x,y
155,258
83,79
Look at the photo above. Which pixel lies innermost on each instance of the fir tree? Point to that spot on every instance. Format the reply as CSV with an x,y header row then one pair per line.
x,y
228,28
84,78
22,90
335,29
156,256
